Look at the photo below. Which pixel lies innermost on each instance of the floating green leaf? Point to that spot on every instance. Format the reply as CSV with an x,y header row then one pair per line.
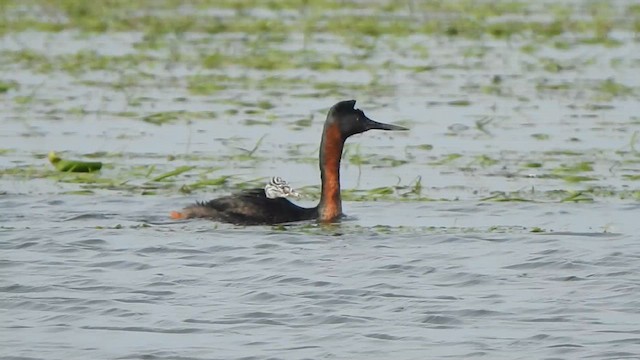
x,y
73,165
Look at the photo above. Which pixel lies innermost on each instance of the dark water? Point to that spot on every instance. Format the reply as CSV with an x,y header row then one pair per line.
x,y
90,283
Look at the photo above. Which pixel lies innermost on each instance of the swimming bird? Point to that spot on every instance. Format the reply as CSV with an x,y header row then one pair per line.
x,y
254,207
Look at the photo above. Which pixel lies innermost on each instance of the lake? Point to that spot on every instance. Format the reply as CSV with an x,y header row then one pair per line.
x,y
503,225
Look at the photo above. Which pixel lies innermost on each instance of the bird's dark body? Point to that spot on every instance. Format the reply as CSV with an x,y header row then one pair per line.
x,y
251,207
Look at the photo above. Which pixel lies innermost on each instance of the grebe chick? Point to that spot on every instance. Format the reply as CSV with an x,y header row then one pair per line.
x,y
279,188
254,207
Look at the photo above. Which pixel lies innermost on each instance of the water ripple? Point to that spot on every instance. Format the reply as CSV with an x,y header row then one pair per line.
x,y
162,294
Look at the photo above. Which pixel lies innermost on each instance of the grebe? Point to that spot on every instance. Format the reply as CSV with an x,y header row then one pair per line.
x,y
254,207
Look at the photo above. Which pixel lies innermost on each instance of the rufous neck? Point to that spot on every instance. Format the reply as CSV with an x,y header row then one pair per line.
x,y
330,207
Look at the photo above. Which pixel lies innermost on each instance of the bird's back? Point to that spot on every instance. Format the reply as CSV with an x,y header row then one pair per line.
x,y
249,207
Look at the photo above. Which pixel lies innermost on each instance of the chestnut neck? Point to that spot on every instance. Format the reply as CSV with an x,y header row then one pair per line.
x,y
330,206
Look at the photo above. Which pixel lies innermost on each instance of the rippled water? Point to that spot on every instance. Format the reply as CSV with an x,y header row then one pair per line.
x,y
521,241
94,283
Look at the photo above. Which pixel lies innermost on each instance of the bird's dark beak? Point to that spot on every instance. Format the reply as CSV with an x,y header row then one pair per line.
x,y
371,124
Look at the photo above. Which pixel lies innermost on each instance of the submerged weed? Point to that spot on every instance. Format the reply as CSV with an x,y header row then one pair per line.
x,y
610,89
5,86
172,173
446,159
541,136
162,118
584,166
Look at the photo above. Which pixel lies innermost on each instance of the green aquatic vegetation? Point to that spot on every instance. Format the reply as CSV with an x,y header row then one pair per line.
x,y
23,100
636,26
388,161
5,86
265,105
529,48
29,58
167,117
176,45
416,188
485,161
597,107
551,29
533,165
606,41
493,89
584,166
253,122
270,82
124,83
446,159
214,61
374,19
481,124
417,68
380,191
541,136
588,195
372,26
126,114
205,85
80,62
611,89
577,178
85,179
459,26
324,64
79,192
577,196
178,171
480,10
353,154
163,117
504,29
118,15
551,65
249,154
631,177
632,142
562,153
268,59
73,165
218,181
562,45
425,147
342,89
459,103
501,196
602,19
571,173
271,29
412,191
544,85
301,124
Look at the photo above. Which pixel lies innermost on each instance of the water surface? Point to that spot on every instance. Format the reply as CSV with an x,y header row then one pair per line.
x,y
502,226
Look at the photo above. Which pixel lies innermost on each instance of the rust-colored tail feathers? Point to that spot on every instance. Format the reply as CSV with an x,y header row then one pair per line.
x,y
176,215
